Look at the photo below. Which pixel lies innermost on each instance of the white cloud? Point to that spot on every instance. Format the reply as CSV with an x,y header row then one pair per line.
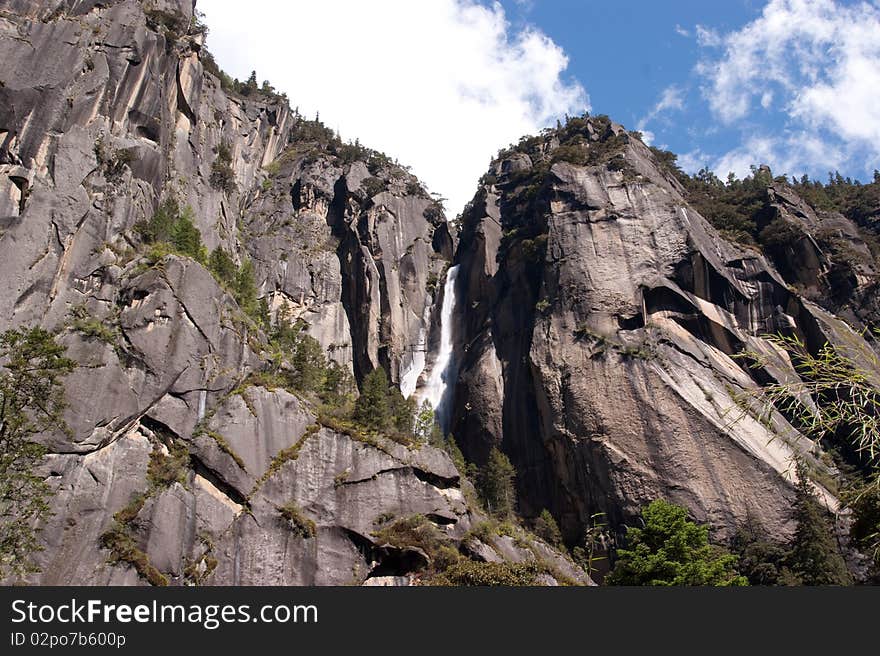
x,y
693,161
440,85
708,37
671,99
816,63
790,154
682,31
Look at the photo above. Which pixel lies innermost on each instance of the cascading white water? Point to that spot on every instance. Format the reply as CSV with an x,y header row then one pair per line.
x,y
435,388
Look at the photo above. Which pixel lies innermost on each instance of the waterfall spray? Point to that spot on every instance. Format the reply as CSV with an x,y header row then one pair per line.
x,y
436,387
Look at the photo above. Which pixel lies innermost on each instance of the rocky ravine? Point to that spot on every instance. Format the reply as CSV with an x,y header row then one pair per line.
x,y
106,109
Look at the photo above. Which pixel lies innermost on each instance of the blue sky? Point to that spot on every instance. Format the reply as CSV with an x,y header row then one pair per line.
x,y
627,52
443,84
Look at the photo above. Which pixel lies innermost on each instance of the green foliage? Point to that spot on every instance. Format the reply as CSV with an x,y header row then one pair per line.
x,y
403,412
170,23
120,540
284,456
864,500
297,520
123,548
417,531
858,202
373,186
464,468
534,250
596,543
299,364
222,444
240,282
310,364
573,153
163,470
244,290
380,409
839,379
221,265
91,327
372,409
304,131
733,208
166,469
760,560
32,367
470,573
814,557
496,485
833,400
431,283
780,234
222,175
413,531
424,423
434,212
547,529
672,550
112,162
173,231
338,385
668,163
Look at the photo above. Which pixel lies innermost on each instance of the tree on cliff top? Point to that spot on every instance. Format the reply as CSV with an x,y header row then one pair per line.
x,y
31,403
672,550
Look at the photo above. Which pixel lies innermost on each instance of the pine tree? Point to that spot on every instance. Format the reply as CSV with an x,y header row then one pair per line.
x,y
402,411
185,236
371,409
222,266
31,402
245,289
547,529
309,363
814,558
672,550
497,485
251,86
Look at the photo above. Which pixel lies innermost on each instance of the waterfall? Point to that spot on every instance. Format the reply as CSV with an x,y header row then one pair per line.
x,y
435,388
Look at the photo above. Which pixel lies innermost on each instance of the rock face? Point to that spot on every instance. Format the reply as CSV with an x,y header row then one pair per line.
x,y
106,110
599,317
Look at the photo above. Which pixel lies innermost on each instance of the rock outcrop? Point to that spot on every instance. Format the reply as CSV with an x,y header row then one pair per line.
x,y
600,319
181,465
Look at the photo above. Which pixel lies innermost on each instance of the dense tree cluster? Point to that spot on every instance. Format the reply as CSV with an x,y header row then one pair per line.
x,y
670,549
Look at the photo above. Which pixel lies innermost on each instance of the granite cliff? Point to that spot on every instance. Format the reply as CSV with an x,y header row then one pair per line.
x,y
596,315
